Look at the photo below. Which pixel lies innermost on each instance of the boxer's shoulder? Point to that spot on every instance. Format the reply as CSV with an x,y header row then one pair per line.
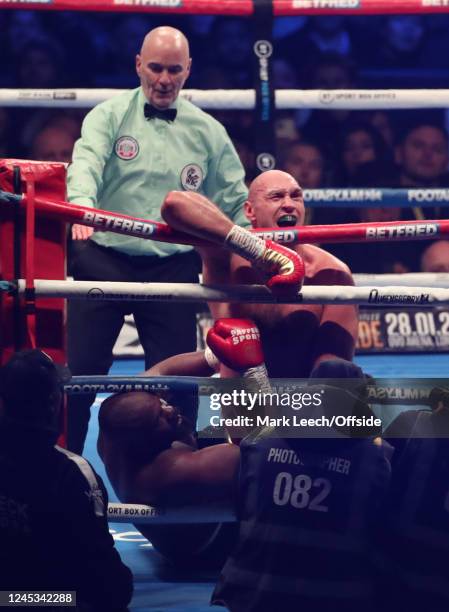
x,y
317,261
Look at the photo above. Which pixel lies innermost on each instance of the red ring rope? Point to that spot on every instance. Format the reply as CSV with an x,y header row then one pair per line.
x,y
243,8
312,234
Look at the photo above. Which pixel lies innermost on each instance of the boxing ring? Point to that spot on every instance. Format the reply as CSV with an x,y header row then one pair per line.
x,y
157,585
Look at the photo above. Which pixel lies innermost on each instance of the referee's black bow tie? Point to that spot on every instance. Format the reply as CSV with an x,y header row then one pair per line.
x,y
169,114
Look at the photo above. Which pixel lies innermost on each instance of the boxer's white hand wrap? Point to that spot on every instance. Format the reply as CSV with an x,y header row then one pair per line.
x,y
246,244
259,375
212,360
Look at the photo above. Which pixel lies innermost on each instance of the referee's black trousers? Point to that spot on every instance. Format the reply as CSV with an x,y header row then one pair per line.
x,y
164,328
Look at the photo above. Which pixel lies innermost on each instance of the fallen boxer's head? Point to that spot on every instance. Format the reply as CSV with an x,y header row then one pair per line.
x,y
142,424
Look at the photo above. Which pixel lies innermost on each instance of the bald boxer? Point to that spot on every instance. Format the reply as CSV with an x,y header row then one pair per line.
x,y
296,338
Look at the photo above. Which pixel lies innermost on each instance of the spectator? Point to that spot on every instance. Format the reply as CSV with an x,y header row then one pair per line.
x,y
404,42
53,144
54,533
401,42
435,257
285,75
85,38
305,162
230,55
422,155
242,142
118,69
382,121
326,34
287,122
40,64
286,26
360,143
286,130
66,120
24,26
330,71
329,34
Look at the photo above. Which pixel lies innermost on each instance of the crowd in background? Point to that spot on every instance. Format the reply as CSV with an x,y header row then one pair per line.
x,y
331,148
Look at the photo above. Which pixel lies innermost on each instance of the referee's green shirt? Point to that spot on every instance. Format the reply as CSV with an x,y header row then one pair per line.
x,y
127,164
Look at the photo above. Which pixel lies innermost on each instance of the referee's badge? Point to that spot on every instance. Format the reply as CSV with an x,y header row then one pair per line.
x,y
126,147
192,177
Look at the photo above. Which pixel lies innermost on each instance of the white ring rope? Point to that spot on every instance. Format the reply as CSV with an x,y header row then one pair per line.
x,y
412,279
234,99
140,514
255,294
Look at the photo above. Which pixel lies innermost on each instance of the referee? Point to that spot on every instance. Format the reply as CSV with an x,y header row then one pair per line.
x,y
134,148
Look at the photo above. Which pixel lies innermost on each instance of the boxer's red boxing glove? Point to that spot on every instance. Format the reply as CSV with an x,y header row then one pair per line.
x,y
286,266
283,268
236,343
